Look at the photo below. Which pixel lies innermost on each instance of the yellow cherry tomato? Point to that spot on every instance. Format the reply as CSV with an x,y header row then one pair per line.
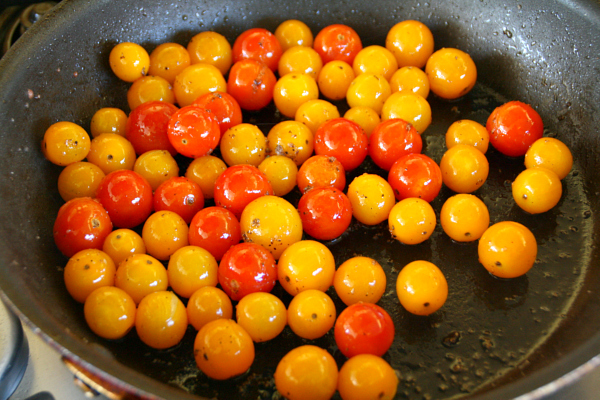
x,y
164,233
359,279
367,377
410,80
410,107
262,315
366,117
315,113
191,268
507,249
205,171
311,314
223,349
335,79
552,154
464,168
243,144
377,60
464,217
302,60
211,48
371,198
86,271
307,372
167,60
65,143
129,61
451,72
281,173
111,152
80,179
108,120
468,132
109,312
368,90
305,265
196,80
422,288
292,139
271,222
292,90
411,42
161,320
537,190
208,304
122,243
156,166
412,221
140,275
150,88
292,33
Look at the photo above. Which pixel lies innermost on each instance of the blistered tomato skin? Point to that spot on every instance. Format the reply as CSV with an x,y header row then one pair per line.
x,y
82,223
337,42
326,212
366,376
146,127
109,312
86,271
180,195
305,265
537,190
391,140
216,230
251,83
257,44
415,175
421,288
161,320
514,127
343,139
194,131
238,186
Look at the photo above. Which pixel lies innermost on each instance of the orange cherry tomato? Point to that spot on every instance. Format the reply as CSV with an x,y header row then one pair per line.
x,y
415,175
86,271
161,320
215,229
421,288
257,44
321,171
194,131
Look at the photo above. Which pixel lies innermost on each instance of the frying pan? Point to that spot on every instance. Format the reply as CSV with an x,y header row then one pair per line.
x,y
493,339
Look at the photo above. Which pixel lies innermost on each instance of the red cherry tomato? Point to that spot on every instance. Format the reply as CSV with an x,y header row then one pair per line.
x,y
180,195
344,140
239,185
415,175
364,328
513,127
337,42
251,83
127,197
325,212
247,268
82,223
391,140
321,171
146,127
257,44
194,132
214,229
225,108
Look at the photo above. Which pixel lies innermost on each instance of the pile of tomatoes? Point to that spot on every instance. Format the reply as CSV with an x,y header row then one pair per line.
x,y
130,211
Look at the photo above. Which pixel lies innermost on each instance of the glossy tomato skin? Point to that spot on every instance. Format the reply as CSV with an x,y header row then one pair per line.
x,y
247,268
514,127
251,83
225,108
325,212
238,186
146,127
257,44
180,195
216,230
321,171
194,131
344,140
337,42
364,328
127,197
391,140
82,223
415,175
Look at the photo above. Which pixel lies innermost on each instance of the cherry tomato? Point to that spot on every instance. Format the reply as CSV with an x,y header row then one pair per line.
x,y
415,175
109,312
537,190
122,243
464,217
366,376
359,279
321,171
111,152
224,107
468,132
412,221
262,315
194,131
65,143
292,33
238,186
410,80
514,127
243,144
464,168
302,60
251,83
282,172
127,197
391,140
149,88
411,42
292,139
366,117
257,44
337,42
552,154
215,229
410,107
79,179
293,90
305,265
164,232
86,271
205,171
129,61
208,304
421,288
315,113
197,80
211,48
371,198
180,195
108,120
376,60
335,79
311,314
451,72
368,90
161,320
167,60
191,268
147,127
156,166
326,212
141,274
247,268
364,328
82,223
343,139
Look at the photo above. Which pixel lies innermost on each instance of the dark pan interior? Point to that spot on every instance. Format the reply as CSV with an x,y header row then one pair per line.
x,y
492,339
